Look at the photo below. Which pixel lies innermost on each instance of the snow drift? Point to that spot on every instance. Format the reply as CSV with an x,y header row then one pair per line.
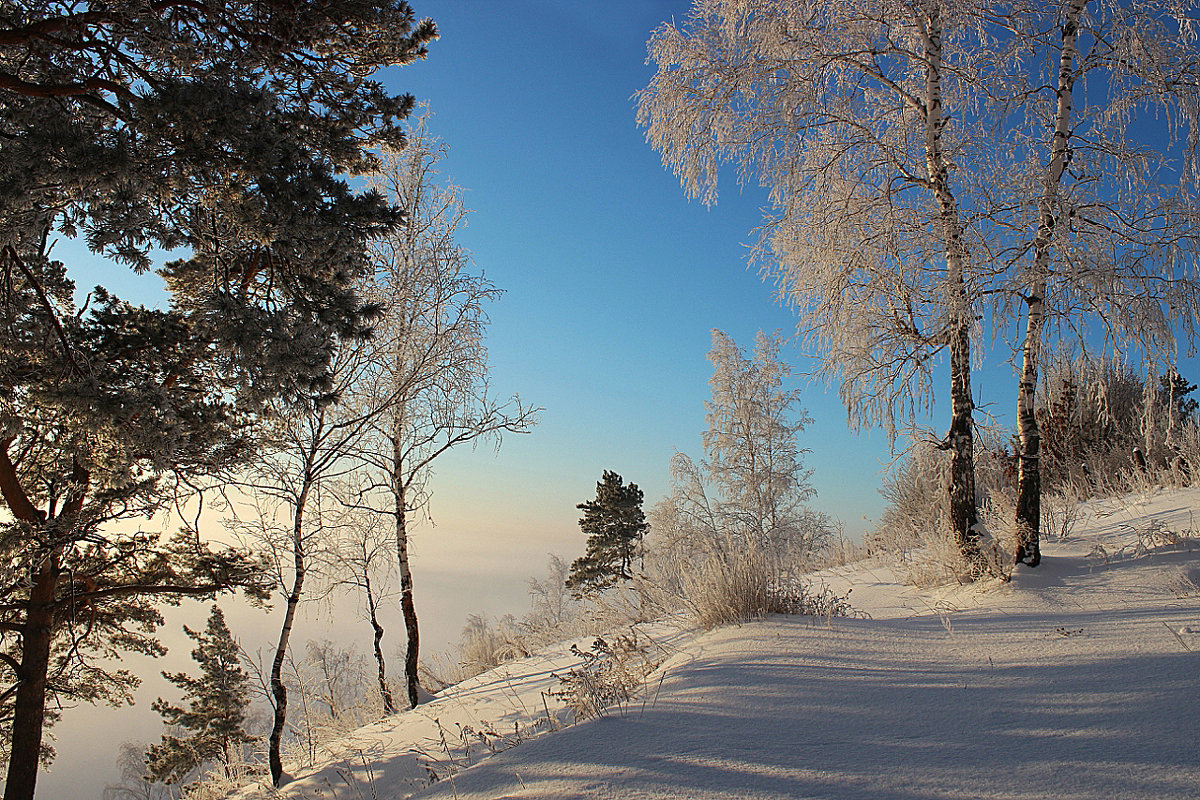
x,y
1075,680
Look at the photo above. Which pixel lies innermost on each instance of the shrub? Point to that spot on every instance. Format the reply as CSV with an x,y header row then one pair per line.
x,y
610,673
483,647
917,510
839,552
1107,429
914,530
730,589
745,586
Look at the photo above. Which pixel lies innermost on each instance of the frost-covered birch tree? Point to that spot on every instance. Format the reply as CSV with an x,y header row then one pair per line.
x,y
132,783
851,114
1099,120
751,448
750,490
429,346
308,449
366,562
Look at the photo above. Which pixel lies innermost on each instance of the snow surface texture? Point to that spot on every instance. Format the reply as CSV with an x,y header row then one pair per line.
x,y
1076,680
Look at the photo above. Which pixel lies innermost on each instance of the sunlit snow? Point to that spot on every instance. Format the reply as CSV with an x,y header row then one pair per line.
x,y
1075,680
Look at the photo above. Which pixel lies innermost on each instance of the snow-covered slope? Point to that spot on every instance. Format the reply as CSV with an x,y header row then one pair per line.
x,y
1076,680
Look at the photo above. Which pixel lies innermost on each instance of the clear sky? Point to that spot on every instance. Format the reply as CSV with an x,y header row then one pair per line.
x,y
613,279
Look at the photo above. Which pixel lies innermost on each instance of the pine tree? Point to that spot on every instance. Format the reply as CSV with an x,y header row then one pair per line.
x,y
615,524
217,700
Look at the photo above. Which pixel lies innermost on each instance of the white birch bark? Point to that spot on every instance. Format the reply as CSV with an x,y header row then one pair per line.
x,y
1028,509
960,438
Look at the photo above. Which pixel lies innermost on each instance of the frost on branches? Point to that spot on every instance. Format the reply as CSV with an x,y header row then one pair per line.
x,y
845,113
937,165
748,494
219,132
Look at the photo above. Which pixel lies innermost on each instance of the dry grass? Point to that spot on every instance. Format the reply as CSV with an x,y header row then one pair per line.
x,y
746,586
610,673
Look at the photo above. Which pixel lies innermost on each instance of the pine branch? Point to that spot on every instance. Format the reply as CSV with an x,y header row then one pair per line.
x,y
15,498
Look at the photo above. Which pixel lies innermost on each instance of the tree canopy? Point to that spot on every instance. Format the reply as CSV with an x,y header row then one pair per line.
x,y
850,115
937,166
216,130
221,134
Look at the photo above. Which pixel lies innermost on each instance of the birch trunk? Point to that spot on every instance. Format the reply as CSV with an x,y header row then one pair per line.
x,y
960,439
963,514
1029,474
1029,480
389,703
278,689
407,606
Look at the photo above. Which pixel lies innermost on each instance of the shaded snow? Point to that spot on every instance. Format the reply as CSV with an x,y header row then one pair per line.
x,y
1075,680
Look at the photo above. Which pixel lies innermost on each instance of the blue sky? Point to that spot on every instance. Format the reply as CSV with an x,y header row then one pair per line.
x,y
613,279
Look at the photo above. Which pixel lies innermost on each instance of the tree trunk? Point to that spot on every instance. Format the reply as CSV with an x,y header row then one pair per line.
x,y
389,703
963,516
1029,472
1029,481
37,634
409,609
960,438
412,652
278,690
29,705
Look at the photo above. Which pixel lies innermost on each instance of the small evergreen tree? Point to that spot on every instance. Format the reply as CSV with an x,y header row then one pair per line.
x,y
615,524
217,702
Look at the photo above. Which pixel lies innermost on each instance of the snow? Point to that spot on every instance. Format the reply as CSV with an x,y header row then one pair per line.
x,y
1075,680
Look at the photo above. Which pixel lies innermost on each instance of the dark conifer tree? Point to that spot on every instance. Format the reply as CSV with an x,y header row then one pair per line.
x,y
614,524
216,707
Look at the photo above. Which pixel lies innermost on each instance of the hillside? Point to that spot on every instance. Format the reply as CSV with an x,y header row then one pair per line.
x,y
1075,680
